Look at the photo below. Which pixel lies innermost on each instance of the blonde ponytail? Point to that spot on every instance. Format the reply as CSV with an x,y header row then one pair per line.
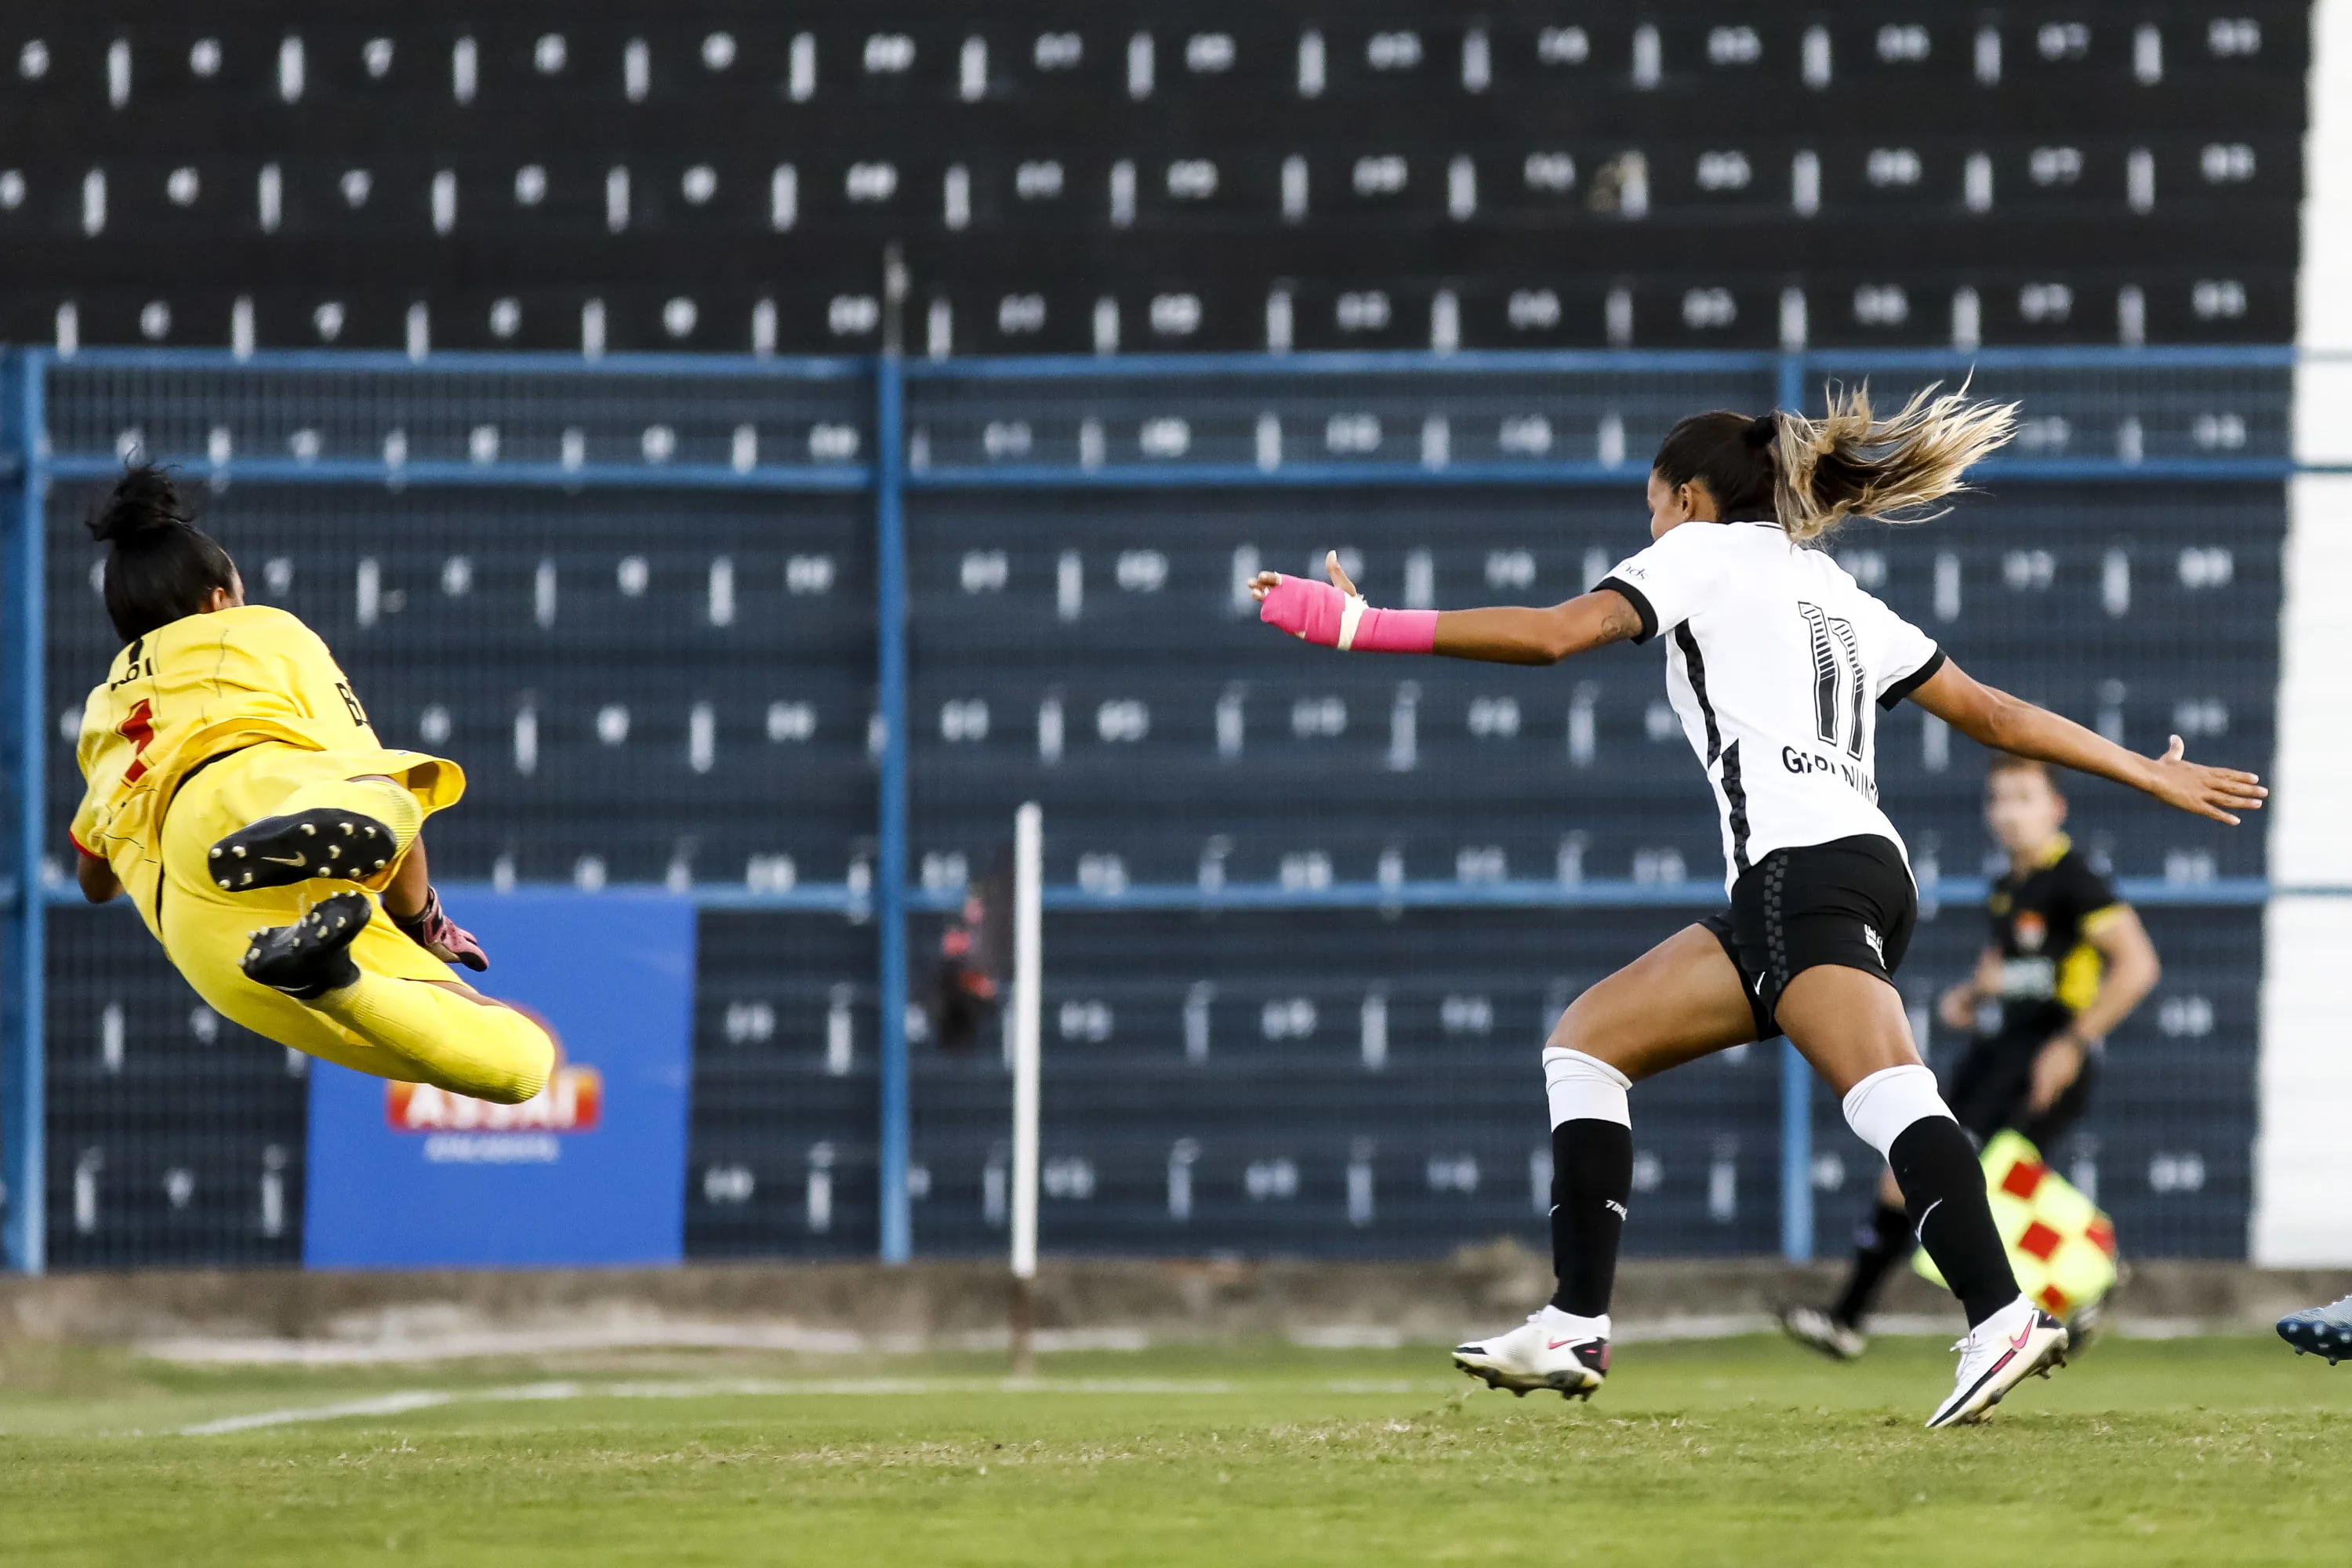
x,y
1849,464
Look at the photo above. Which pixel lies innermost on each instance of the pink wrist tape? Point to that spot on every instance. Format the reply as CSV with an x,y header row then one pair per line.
x,y
1322,614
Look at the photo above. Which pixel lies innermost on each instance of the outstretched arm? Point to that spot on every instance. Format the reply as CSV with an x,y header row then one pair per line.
x,y
1336,616
1994,718
1511,635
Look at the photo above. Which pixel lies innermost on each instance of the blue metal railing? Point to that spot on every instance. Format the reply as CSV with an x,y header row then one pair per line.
x,y
444,474
890,696
1246,898
23,972
29,464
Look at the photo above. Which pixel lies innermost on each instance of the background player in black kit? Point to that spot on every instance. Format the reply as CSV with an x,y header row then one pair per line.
x,y
2067,962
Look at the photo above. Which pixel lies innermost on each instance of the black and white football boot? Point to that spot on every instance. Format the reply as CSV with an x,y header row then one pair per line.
x,y
313,955
1816,1329
2320,1331
2086,1324
1553,1350
2019,1342
279,851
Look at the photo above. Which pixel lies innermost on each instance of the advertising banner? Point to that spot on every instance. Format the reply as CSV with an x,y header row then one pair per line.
x,y
592,1171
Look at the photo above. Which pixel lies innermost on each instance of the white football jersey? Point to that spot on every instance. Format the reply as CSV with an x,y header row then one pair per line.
x,y
1778,663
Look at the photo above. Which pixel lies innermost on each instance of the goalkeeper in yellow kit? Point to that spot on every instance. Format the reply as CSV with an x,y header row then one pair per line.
x,y
238,795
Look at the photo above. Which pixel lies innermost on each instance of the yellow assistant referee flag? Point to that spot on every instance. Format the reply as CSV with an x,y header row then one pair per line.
x,y
2061,1246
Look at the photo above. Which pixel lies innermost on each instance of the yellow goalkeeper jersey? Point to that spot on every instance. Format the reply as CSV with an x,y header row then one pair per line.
x,y
203,686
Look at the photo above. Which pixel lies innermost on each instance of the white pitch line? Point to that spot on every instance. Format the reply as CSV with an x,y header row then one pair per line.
x,y
488,1345
384,1405
429,1398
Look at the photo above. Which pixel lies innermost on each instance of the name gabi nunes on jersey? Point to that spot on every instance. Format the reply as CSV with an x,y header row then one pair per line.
x,y
1806,763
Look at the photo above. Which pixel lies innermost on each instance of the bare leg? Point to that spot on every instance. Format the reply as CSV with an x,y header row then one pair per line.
x,y
1848,1023
1674,1003
404,897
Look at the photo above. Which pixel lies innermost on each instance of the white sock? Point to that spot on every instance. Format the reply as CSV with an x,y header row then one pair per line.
x,y
1881,1106
2003,1318
1584,1088
1563,1324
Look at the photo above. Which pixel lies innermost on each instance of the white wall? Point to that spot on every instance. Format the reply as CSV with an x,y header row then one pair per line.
x,y
2302,1158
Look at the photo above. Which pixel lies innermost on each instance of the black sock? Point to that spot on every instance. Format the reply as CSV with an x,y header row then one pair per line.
x,y
1936,1166
1881,1244
1591,1178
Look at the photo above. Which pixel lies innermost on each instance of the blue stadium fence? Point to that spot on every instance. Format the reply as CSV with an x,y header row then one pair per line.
x,y
2138,418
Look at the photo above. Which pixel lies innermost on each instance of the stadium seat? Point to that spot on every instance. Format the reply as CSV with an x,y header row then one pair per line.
x,y
682,684
2064,166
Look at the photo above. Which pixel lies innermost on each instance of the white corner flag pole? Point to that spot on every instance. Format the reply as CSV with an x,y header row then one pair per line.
x,y
1028,977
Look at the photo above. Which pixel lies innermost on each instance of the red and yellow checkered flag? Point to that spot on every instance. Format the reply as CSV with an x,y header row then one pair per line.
x,y
2062,1247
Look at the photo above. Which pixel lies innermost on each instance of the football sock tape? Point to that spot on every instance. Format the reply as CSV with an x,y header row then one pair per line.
x,y
1584,1088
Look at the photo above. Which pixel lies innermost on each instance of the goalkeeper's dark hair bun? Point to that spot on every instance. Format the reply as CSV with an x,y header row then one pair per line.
x,y
143,503
160,567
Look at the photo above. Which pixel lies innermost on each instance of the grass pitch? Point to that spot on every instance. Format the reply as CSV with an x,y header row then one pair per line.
x,y
1741,1451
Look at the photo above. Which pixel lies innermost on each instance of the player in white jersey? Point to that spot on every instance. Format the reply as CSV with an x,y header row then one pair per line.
x,y
1778,663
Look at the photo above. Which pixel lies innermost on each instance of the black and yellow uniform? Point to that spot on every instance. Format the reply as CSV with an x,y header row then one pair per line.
x,y
2043,919
217,720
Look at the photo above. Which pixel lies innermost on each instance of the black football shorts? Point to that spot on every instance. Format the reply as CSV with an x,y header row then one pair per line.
x,y
1991,1088
1850,901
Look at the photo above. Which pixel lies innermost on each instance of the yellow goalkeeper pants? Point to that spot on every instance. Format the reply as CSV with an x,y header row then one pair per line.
x,y
408,1017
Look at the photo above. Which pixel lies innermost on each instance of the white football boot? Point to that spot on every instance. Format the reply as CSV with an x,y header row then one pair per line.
x,y
1551,1350
2019,1342
1816,1329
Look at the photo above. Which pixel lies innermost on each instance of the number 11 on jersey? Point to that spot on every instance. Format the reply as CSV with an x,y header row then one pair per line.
x,y
1839,688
